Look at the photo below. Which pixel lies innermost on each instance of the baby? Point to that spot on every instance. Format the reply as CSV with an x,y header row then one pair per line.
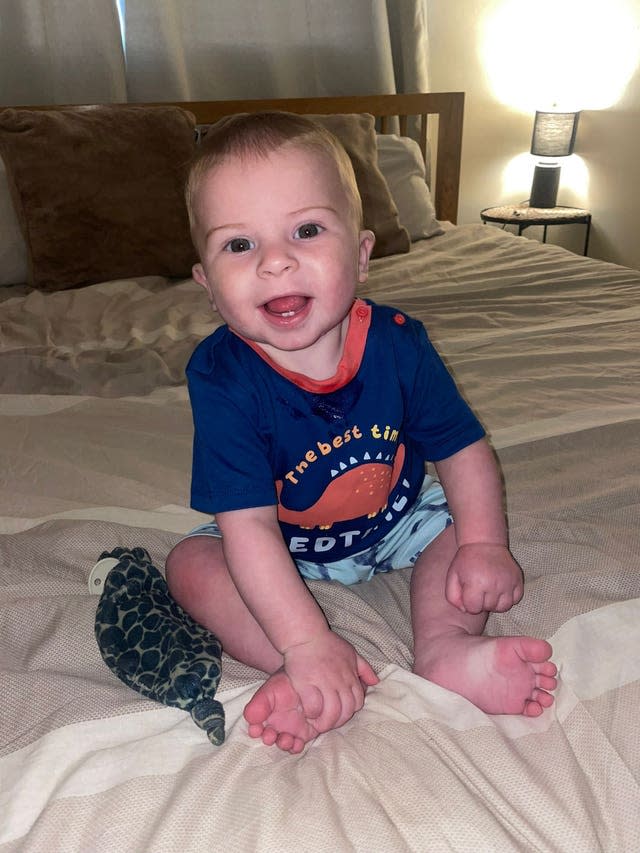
x,y
315,412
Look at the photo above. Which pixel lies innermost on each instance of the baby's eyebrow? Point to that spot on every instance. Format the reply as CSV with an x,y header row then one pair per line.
x,y
313,207
227,226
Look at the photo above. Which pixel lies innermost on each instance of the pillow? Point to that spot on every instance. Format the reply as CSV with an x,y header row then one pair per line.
x,y
401,162
13,251
357,134
99,191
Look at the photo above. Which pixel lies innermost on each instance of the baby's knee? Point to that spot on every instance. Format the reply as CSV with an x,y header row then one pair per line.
x,y
187,560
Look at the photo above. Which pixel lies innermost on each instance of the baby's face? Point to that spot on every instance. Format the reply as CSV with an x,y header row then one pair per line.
x,y
281,251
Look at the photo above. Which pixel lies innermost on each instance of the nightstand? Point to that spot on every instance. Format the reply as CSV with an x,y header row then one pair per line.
x,y
524,216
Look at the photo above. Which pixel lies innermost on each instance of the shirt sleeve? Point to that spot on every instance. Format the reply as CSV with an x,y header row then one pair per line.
x,y
438,419
231,446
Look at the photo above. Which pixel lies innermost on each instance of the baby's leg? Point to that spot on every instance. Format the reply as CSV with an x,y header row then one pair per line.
x,y
199,581
501,675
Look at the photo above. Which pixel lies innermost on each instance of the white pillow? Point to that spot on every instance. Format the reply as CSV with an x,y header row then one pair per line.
x,y
400,161
13,249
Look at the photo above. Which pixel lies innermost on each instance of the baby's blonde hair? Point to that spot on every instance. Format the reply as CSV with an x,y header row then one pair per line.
x,y
260,134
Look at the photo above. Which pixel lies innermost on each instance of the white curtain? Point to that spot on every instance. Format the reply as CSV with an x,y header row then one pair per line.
x,y
60,52
71,51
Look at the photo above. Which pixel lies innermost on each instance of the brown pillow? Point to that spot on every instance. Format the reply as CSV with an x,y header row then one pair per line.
x,y
99,191
357,133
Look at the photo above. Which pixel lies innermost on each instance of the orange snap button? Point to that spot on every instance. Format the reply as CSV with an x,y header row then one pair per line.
x,y
400,319
362,312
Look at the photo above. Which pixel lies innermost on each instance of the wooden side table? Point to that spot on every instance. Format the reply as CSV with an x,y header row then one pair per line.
x,y
524,216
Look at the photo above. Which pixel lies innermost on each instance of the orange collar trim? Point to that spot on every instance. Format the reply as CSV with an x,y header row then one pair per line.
x,y
359,322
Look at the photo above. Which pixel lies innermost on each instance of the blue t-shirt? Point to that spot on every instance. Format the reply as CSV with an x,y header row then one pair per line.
x,y
344,459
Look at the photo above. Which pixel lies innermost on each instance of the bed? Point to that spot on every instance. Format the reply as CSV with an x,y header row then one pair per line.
x,y
95,331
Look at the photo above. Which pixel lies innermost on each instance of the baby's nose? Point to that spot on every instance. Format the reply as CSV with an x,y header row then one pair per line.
x,y
276,260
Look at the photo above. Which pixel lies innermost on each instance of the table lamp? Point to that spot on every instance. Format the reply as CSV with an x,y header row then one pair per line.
x,y
554,135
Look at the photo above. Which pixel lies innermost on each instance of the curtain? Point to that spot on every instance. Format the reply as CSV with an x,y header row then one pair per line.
x,y
71,51
61,52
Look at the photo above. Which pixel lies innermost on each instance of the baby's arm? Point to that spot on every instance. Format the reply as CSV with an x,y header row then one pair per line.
x,y
325,670
483,575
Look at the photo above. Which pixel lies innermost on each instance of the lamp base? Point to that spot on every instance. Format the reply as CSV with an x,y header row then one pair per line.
x,y
544,189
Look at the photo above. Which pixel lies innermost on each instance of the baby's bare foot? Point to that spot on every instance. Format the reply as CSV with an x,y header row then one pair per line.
x,y
275,715
501,675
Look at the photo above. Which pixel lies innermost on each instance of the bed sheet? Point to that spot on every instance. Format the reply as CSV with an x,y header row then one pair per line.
x,y
95,440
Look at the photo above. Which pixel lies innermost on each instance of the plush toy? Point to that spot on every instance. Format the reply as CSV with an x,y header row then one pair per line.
x,y
152,645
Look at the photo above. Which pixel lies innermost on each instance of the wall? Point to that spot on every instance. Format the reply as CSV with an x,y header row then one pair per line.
x,y
497,135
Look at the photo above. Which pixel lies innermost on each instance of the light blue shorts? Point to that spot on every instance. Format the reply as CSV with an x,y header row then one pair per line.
x,y
399,549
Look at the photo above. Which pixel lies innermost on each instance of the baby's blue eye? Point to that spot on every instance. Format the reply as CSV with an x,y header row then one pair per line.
x,y
310,229
238,244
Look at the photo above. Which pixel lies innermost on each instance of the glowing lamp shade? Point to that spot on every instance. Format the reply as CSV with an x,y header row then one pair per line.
x,y
554,135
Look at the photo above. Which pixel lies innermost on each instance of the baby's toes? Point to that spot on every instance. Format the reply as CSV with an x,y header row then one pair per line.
x,y
532,708
544,699
255,730
269,736
547,667
545,682
258,707
289,743
285,741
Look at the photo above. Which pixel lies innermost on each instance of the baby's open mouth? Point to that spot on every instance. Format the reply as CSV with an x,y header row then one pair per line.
x,y
286,306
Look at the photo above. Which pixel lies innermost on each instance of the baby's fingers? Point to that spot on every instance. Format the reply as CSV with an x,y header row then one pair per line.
x,y
453,592
337,710
471,598
504,601
476,601
365,672
312,701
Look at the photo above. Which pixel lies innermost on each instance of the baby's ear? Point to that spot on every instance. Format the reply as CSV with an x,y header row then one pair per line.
x,y
367,242
200,278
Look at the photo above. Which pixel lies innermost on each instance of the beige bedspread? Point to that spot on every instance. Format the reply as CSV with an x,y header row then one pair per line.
x,y
95,443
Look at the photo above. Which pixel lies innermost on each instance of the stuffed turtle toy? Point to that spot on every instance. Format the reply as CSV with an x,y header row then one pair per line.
x,y
152,645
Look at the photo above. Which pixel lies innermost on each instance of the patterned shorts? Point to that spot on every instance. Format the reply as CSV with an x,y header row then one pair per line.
x,y
399,549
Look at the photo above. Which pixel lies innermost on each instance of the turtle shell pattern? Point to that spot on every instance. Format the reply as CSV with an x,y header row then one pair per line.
x,y
154,646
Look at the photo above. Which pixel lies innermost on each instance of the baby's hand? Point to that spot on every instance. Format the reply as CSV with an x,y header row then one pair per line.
x,y
484,577
330,679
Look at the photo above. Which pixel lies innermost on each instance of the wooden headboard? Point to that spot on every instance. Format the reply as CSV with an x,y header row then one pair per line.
x,y
448,107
